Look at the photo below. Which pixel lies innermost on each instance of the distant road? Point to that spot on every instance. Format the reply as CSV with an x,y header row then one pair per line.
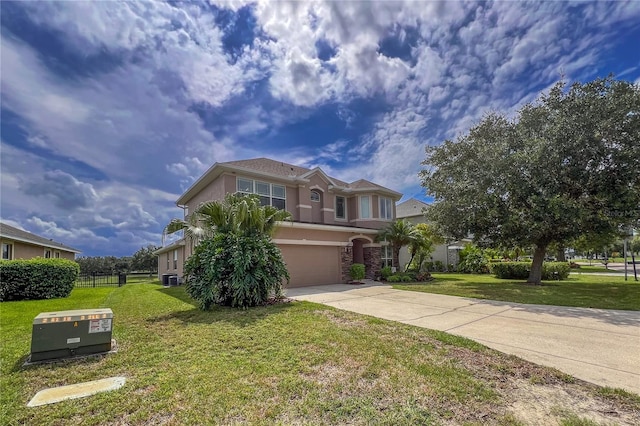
x,y
614,267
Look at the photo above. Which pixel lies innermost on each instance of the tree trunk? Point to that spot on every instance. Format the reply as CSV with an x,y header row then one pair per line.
x,y
535,275
560,255
410,260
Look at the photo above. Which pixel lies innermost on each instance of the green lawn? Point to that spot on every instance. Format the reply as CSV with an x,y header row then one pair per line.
x,y
293,363
587,291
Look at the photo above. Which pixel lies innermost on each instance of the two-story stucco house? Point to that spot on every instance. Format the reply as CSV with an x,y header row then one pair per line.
x,y
334,223
19,244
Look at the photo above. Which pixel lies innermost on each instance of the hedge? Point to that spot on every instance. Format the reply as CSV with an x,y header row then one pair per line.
x,y
520,270
38,278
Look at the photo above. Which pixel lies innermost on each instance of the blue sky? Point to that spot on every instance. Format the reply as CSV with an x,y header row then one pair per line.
x,y
110,110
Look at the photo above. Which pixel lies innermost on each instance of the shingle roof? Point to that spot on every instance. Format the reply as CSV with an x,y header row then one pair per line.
x,y
267,165
9,232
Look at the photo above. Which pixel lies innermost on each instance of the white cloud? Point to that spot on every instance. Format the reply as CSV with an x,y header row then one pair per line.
x,y
70,237
141,128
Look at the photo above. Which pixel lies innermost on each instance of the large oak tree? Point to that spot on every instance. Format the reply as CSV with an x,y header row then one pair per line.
x,y
565,165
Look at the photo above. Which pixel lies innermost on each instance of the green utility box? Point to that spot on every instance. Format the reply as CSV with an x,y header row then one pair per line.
x,y
70,333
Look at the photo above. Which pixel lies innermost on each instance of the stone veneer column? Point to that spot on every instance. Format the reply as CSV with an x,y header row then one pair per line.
x,y
346,257
372,257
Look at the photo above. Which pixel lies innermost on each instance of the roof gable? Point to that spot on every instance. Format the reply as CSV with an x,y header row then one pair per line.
x,y
410,208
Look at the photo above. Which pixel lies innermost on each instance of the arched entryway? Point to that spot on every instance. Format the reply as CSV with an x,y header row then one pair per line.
x,y
364,250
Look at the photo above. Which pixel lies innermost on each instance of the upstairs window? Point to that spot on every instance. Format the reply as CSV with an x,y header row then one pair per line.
x,y
270,194
341,207
245,186
365,207
7,251
386,208
315,196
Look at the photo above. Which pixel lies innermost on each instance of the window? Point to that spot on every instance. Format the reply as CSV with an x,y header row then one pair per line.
x,y
168,264
386,255
341,208
7,251
245,185
57,255
315,196
47,254
365,207
270,194
175,259
386,211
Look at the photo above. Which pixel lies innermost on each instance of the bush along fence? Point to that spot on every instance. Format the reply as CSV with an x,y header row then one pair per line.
x,y
101,280
37,278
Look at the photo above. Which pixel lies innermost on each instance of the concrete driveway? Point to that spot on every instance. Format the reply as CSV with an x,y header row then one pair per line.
x,y
596,345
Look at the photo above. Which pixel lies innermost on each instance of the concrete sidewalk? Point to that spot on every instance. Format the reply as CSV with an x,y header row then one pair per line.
x,y
596,345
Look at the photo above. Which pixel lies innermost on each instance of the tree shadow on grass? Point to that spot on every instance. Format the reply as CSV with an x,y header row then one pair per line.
x,y
440,278
178,293
235,316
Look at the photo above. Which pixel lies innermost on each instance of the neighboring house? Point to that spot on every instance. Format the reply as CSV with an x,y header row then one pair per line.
x,y
413,210
334,223
19,244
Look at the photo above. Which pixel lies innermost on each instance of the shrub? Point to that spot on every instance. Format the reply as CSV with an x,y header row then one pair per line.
x,y
512,270
474,263
386,272
235,270
574,265
429,266
394,279
357,271
37,278
520,270
406,278
561,268
438,266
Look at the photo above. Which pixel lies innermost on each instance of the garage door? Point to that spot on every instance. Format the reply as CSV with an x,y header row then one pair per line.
x,y
312,265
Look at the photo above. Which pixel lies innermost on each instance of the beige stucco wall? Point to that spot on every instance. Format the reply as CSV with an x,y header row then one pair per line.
x,y
23,250
216,190
162,262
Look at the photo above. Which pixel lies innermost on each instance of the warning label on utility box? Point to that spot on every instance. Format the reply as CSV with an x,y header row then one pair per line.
x,y
100,325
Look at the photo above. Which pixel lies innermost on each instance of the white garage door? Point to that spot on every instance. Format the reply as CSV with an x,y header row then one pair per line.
x,y
312,265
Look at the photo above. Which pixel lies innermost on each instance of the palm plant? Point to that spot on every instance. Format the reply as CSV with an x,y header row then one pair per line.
x,y
234,262
238,214
399,233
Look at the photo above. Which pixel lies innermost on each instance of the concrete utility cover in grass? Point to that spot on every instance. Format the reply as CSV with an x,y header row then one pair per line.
x,y
79,390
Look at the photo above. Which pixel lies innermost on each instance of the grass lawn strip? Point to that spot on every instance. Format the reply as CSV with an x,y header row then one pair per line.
x,y
299,363
582,291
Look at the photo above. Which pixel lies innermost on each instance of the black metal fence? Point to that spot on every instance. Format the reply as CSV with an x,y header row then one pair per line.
x,y
101,280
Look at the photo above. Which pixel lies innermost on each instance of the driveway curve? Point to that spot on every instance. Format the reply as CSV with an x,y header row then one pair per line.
x,y
600,346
